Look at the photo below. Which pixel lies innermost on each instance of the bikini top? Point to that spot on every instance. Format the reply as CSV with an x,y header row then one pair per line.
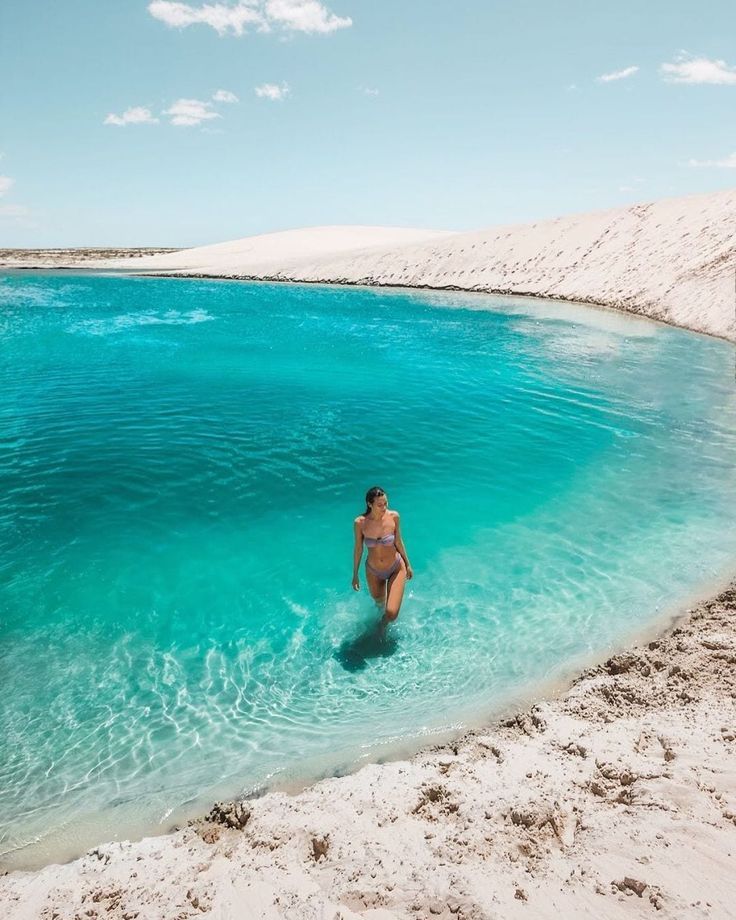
x,y
386,540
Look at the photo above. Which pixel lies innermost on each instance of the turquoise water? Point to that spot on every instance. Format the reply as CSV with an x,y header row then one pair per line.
x,y
180,466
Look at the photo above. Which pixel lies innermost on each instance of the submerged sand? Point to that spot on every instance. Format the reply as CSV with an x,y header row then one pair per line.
x,y
617,799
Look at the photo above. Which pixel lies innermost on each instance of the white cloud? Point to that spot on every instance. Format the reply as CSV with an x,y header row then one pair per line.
x,y
5,184
260,15
190,112
305,16
224,95
617,75
273,91
370,91
183,112
137,115
728,162
687,69
219,16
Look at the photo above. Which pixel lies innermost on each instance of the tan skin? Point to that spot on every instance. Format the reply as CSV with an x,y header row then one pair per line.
x,y
378,523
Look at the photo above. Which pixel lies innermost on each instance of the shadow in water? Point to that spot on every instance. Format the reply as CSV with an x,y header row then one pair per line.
x,y
376,641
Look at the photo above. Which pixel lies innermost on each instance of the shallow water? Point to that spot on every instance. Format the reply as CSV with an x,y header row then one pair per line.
x,y
180,465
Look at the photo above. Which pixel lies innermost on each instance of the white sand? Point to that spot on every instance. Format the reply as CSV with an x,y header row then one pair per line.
x,y
672,260
617,800
271,253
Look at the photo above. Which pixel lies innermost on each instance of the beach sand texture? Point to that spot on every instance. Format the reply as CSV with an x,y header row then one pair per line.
x,y
615,800
672,260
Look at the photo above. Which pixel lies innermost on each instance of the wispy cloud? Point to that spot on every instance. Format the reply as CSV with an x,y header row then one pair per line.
x,y
183,112
187,113
617,75
369,91
5,184
728,162
220,17
239,18
273,91
224,95
137,115
305,16
688,69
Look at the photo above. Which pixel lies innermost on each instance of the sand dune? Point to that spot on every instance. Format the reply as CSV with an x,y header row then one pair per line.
x,y
672,260
277,252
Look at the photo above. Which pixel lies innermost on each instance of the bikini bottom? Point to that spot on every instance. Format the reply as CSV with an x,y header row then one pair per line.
x,y
385,574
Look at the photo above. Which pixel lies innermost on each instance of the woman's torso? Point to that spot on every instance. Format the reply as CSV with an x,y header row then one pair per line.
x,y
379,538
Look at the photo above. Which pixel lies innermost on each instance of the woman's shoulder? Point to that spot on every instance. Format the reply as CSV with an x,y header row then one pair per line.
x,y
360,519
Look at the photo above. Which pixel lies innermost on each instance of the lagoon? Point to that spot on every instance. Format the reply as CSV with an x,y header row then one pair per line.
x,y
180,465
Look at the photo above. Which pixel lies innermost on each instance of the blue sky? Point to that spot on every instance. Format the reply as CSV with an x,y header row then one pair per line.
x,y
120,124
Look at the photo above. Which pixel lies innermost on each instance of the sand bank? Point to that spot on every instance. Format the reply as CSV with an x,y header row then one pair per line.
x,y
672,260
617,799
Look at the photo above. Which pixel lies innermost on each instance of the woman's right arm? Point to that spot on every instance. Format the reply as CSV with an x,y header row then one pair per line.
x,y
357,551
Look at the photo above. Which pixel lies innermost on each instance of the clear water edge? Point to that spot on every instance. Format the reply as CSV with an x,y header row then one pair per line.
x,y
385,749
400,289
89,831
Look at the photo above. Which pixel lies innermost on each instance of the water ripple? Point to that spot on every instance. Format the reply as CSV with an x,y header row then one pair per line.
x,y
180,465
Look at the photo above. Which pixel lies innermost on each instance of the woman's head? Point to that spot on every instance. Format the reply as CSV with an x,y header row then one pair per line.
x,y
375,495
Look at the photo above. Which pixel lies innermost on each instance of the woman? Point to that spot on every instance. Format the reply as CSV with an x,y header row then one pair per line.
x,y
387,567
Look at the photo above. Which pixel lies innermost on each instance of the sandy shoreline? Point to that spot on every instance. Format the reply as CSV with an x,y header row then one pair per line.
x,y
35,259
672,260
616,799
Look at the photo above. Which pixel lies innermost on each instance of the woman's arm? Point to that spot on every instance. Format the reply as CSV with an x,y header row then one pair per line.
x,y
400,548
357,551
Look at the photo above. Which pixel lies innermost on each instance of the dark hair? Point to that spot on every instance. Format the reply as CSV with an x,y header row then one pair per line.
x,y
371,495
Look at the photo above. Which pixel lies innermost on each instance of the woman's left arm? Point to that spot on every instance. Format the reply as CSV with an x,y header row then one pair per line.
x,y
400,548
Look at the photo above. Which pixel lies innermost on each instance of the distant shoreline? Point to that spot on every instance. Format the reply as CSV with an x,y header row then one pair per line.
x,y
74,257
672,260
277,279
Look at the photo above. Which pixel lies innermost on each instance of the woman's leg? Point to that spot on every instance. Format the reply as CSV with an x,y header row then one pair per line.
x,y
395,592
377,587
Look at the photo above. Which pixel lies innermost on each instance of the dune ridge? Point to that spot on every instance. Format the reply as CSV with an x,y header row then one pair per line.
x,y
672,260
